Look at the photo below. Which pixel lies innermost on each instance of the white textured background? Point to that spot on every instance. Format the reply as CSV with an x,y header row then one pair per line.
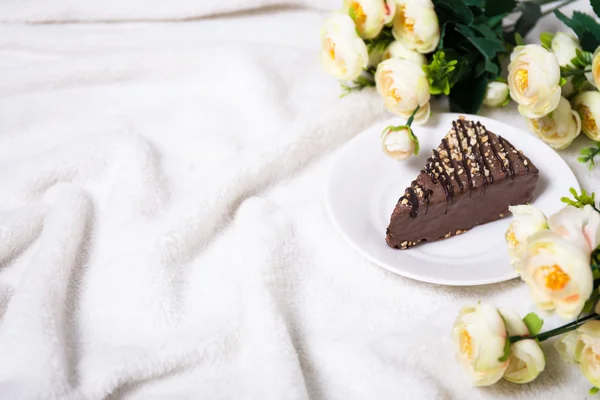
x,y
162,226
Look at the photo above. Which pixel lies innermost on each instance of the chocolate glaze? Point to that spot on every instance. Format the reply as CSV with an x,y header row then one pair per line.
x,y
469,156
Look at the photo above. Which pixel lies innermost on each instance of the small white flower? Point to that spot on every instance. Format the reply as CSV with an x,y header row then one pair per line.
x,y
497,94
558,128
564,47
558,274
480,340
369,15
587,104
416,25
403,86
397,50
527,220
582,346
526,356
343,53
398,143
533,79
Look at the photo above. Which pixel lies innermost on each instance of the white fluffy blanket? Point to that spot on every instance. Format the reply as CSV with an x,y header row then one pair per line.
x,y
162,227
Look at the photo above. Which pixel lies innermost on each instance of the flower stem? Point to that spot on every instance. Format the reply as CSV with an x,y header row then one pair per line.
x,y
571,326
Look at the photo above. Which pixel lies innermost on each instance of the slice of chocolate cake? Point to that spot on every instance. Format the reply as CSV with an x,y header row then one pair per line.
x,y
470,179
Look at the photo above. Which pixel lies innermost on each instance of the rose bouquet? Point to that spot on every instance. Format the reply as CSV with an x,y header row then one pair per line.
x,y
559,259
411,50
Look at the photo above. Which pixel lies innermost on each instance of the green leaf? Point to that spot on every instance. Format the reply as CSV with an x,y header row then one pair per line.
x,y
467,95
534,323
562,81
588,22
580,200
519,41
475,3
453,10
596,6
584,57
594,390
489,48
546,39
492,68
589,304
588,153
495,7
506,354
487,32
496,21
580,25
530,15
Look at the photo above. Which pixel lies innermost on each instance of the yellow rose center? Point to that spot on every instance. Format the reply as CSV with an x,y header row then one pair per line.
x,y
407,23
510,238
358,14
394,95
522,79
587,119
330,48
466,343
555,277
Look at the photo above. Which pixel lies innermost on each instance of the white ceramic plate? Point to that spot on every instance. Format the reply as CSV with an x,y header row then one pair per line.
x,y
364,186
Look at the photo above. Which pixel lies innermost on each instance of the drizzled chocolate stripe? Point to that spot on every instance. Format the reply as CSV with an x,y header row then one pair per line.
x,y
460,128
511,168
513,150
483,163
446,183
414,202
495,151
452,162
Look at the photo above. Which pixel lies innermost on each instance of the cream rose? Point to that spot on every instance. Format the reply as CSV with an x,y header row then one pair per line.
x,y
558,128
579,226
416,25
596,68
343,53
369,15
533,79
564,47
403,86
587,104
480,340
582,347
558,274
497,94
526,356
397,50
527,220
398,142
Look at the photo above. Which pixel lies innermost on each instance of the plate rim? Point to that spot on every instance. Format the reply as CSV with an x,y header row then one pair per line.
x,y
445,282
